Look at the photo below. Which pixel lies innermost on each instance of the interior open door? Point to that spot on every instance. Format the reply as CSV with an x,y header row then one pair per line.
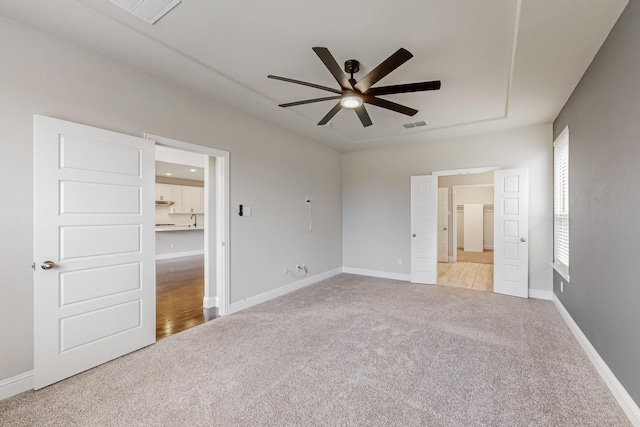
x,y
511,233
424,234
94,278
443,225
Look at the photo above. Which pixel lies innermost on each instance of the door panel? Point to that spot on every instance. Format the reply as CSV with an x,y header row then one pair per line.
x,y
94,219
511,234
424,221
443,225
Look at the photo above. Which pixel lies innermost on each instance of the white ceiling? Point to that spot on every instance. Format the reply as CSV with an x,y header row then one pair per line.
x,y
179,171
502,63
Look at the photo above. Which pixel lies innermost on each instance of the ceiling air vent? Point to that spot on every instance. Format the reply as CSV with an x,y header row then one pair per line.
x,y
147,10
414,124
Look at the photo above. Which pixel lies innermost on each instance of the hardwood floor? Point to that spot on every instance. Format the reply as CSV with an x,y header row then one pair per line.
x,y
179,294
466,275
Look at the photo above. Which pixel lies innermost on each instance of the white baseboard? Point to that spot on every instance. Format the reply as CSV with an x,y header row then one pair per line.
x,y
374,273
179,254
234,307
210,302
538,294
624,400
16,385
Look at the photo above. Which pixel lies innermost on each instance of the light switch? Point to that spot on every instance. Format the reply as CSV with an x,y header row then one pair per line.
x,y
247,211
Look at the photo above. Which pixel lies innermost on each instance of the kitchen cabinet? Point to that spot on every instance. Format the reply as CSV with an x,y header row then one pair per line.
x,y
186,199
163,191
168,192
192,199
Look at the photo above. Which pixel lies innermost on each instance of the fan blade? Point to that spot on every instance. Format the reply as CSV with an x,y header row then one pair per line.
x,y
363,116
333,67
313,85
383,103
388,65
409,87
308,101
330,114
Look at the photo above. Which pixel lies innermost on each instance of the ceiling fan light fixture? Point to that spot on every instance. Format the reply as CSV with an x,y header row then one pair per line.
x,y
351,100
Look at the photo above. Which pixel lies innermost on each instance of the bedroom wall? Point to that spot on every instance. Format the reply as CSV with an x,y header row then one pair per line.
x,y
376,195
44,75
604,155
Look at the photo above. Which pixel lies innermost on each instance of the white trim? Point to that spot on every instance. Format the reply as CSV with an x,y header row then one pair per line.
x,y
16,385
234,307
210,302
452,259
465,171
222,282
624,400
374,273
561,270
179,254
539,294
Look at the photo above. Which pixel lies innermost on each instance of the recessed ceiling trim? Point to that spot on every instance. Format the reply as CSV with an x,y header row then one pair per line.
x,y
147,10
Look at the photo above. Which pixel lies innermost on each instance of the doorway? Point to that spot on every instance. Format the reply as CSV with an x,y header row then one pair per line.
x,y
179,218
469,235
214,272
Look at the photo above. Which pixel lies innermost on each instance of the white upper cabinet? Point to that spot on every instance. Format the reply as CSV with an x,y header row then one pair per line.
x,y
186,199
163,191
192,199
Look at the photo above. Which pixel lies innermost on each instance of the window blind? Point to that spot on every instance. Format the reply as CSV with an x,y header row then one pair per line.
x,y
561,200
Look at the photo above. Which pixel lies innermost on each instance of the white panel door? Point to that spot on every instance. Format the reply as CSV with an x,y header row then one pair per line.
x,y
94,279
511,233
443,223
424,236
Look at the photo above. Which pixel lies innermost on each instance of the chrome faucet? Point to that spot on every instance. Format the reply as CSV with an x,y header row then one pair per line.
x,y
194,217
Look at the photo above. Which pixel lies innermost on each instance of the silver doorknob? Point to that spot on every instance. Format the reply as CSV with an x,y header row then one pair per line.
x,y
522,239
48,265
413,235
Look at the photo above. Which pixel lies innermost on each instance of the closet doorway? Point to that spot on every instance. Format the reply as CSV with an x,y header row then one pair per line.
x,y
469,229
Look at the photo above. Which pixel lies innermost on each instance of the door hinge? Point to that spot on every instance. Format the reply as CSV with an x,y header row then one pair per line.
x,y
33,266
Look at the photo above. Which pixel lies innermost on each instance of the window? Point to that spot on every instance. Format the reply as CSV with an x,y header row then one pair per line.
x,y
561,204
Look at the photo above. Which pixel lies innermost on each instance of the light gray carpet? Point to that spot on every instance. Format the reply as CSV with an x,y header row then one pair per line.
x,y
350,350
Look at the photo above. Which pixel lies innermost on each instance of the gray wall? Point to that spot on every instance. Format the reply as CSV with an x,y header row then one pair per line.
x,y
271,170
603,115
377,198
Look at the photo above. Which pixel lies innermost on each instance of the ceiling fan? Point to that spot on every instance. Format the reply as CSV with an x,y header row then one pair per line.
x,y
354,94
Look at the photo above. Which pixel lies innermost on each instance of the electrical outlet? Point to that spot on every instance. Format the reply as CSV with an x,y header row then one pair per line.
x,y
561,286
172,245
284,271
399,261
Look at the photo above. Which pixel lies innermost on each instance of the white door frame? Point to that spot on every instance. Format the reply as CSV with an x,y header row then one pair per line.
x,y
222,285
454,215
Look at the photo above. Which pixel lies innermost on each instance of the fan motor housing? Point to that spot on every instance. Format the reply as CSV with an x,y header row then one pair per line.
x,y
352,66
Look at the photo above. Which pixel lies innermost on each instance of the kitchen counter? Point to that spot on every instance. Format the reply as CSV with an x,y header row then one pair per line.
x,y
179,228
